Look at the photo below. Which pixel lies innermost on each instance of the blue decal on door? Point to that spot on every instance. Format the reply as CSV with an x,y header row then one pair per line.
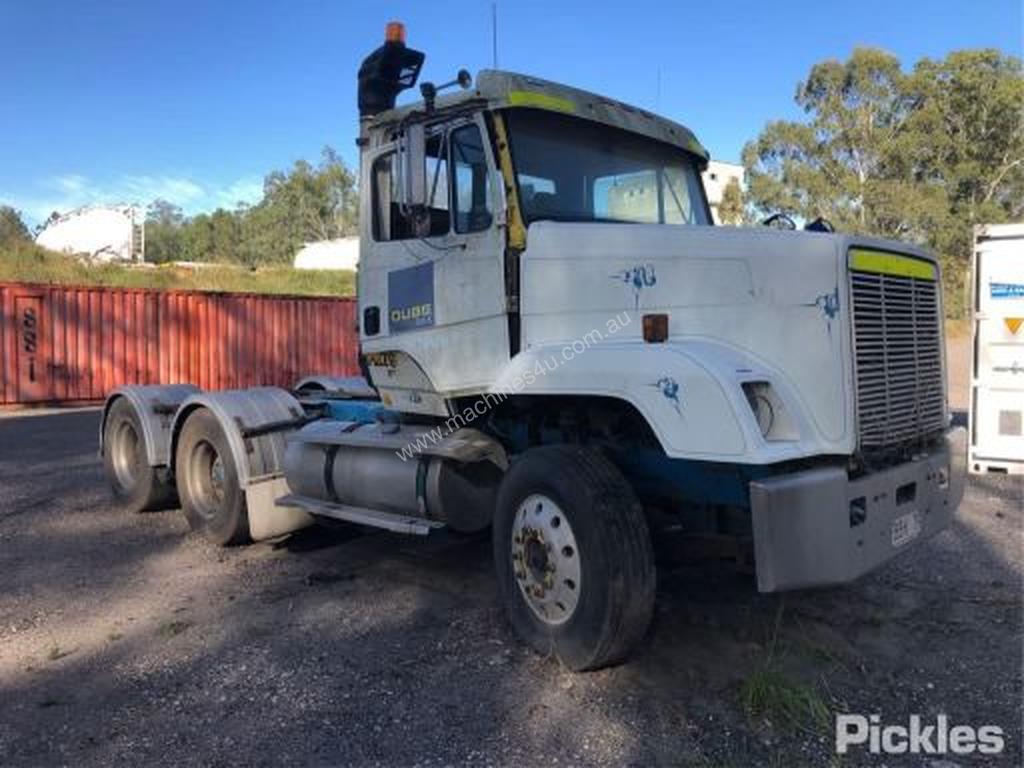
x,y
411,298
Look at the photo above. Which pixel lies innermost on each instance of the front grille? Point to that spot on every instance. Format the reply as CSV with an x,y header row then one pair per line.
x,y
897,341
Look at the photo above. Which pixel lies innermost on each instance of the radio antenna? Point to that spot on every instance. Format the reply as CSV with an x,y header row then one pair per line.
x,y
494,35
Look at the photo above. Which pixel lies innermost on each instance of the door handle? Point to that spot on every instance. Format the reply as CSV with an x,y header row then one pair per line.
x,y
371,321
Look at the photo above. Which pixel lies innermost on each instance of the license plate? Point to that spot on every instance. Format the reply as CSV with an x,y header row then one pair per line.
x,y
906,528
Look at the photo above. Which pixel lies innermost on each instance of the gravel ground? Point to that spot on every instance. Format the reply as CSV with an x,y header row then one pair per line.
x,y
123,639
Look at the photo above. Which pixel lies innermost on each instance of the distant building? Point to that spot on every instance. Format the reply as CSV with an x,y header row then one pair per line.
x,y
98,232
342,253
716,179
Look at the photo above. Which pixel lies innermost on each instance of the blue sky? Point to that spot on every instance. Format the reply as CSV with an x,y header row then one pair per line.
x,y
195,101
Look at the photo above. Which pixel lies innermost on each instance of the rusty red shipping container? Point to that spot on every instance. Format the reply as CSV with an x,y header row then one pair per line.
x,y
67,343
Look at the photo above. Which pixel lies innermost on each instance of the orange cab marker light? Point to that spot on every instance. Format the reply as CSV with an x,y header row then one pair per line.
x,y
655,328
394,32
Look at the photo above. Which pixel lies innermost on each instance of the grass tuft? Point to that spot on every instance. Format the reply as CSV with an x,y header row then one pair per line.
x,y
57,653
769,694
173,628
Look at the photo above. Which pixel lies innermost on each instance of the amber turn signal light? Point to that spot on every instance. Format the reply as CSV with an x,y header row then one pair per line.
x,y
394,32
655,328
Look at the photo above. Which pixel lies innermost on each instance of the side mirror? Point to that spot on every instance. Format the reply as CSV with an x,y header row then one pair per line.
x,y
412,168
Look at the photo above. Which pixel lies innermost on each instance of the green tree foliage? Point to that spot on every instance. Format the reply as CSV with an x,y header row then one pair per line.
x,y
164,235
12,228
921,156
304,204
731,209
214,237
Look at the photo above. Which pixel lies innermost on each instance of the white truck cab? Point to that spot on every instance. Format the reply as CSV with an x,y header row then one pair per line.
x,y
567,350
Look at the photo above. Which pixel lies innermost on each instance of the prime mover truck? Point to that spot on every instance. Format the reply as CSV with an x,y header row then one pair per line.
x,y
558,345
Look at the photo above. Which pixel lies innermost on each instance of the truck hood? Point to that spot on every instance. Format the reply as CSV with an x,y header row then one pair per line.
x,y
776,298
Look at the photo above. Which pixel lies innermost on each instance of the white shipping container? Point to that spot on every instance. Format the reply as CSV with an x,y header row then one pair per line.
x,y
997,350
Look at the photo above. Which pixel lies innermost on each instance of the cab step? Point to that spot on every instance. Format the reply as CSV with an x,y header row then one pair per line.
x,y
374,518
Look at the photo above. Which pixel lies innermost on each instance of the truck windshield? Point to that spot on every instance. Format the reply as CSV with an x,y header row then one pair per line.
x,y
570,169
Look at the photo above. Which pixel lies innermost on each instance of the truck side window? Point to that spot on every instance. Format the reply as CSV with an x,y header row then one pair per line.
x,y
388,221
470,185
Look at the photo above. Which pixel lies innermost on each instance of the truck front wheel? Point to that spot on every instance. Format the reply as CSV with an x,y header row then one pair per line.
x,y
211,497
573,556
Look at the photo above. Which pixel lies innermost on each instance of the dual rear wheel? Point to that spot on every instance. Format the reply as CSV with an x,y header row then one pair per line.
x,y
207,479
134,482
211,496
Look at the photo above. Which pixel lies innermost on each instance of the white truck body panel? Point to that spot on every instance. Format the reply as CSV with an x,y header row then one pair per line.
x,y
744,305
732,290
997,351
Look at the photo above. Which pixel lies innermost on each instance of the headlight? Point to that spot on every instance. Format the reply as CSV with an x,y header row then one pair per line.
x,y
769,411
764,413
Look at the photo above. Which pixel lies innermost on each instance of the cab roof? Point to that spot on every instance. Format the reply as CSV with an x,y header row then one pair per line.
x,y
497,89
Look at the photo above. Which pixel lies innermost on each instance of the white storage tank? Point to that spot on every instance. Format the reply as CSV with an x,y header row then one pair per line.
x,y
997,351
342,253
98,232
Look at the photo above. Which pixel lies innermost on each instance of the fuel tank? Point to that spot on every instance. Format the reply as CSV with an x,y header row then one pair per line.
x,y
385,467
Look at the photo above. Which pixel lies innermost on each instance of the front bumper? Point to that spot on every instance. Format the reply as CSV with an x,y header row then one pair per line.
x,y
818,527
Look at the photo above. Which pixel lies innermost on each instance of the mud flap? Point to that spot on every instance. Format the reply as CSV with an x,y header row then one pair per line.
x,y
266,519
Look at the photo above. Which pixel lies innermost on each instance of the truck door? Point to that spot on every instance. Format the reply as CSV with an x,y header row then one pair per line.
x,y
431,292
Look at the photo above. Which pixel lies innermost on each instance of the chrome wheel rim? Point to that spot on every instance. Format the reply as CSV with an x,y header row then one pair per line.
x,y
206,472
545,559
125,455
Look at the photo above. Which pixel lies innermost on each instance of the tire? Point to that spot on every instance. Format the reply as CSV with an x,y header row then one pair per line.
x,y
590,535
135,484
211,497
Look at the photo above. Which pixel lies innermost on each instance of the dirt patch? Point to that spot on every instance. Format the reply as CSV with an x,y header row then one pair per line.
x,y
123,639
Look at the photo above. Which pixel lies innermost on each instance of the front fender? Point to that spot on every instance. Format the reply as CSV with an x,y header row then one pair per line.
x,y
690,393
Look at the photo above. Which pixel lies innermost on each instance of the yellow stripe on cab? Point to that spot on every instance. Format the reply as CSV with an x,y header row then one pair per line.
x,y
540,100
882,262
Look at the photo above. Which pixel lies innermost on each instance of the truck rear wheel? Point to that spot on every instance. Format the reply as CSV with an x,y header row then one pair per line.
x,y
135,483
211,497
573,556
